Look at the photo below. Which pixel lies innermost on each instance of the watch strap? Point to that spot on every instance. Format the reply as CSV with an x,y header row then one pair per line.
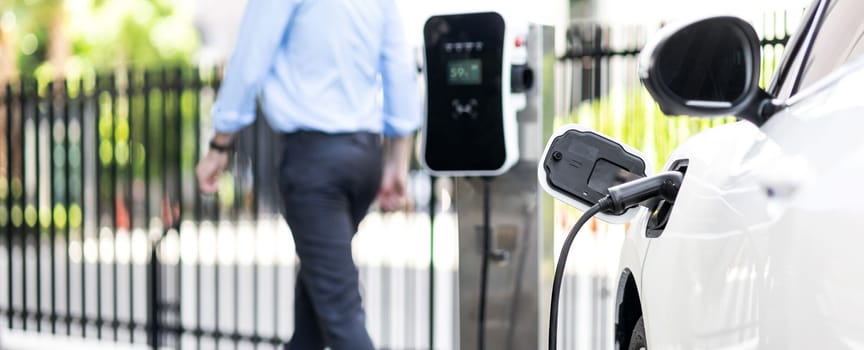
x,y
221,148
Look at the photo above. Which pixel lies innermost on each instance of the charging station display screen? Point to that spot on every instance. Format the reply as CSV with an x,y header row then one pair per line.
x,y
464,64
465,72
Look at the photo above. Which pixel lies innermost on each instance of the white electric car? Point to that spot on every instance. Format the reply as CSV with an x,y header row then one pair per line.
x,y
764,245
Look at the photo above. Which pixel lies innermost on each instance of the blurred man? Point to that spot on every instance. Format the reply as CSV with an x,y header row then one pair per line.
x,y
319,67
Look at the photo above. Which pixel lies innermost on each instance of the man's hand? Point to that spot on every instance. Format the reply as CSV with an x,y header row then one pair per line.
x,y
394,189
393,194
209,169
212,165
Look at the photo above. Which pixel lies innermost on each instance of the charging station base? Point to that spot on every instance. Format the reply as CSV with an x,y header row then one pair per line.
x,y
519,274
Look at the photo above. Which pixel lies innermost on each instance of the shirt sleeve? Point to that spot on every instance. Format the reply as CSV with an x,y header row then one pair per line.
x,y
399,76
263,26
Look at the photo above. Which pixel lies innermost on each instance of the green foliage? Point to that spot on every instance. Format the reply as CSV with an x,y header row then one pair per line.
x,y
102,34
634,118
139,32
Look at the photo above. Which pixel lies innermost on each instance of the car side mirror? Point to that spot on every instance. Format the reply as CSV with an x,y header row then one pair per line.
x,y
579,165
709,67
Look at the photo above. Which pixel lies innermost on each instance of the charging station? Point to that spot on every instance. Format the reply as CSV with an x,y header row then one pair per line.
x,y
477,77
489,114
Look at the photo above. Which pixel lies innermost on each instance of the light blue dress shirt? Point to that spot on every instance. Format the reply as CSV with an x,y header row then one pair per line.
x,y
321,65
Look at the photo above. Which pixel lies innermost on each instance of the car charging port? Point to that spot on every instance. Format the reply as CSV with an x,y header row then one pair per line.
x,y
661,210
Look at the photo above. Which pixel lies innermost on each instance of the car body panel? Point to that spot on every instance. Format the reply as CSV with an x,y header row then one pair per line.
x,y
634,247
763,247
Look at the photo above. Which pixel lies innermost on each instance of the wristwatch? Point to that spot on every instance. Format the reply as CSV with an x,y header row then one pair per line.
x,y
221,148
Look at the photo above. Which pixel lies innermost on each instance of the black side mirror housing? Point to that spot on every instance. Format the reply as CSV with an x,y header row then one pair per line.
x,y
708,67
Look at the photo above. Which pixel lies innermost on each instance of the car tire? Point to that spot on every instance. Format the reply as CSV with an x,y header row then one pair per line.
x,y
637,338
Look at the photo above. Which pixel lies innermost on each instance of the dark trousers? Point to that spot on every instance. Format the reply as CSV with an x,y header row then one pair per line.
x,y
328,182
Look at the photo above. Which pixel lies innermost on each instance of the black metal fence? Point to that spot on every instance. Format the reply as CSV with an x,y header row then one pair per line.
x,y
96,187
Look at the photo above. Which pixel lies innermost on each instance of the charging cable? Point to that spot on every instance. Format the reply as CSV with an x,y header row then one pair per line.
x,y
622,197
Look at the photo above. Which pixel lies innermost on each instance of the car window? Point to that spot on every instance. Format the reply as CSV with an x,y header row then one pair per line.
x,y
785,75
840,39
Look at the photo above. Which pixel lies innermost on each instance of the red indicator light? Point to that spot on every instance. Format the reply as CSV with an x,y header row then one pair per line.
x,y
519,42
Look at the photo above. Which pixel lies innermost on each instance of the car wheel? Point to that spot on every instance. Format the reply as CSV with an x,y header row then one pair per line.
x,y
637,339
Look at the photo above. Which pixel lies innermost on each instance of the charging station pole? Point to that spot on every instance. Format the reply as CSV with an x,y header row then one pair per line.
x,y
521,263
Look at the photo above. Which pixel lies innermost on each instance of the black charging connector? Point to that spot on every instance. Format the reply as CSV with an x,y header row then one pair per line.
x,y
622,197
664,186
